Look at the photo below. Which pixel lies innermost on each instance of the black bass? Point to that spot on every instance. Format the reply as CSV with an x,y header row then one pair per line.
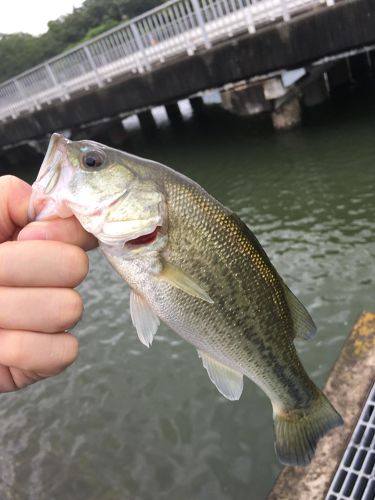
x,y
193,264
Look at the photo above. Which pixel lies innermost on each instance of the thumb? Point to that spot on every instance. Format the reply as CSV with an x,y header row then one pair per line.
x,y
14,201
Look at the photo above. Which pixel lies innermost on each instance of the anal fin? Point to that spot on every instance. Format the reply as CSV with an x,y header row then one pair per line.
x,y
144,319
229,382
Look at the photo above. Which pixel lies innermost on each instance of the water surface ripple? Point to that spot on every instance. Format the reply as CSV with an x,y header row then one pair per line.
x,y
126,422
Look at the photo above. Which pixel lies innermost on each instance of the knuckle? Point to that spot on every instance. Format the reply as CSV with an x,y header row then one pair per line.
x,y
8,256
71,309
12,349
7,246
68,350
75,264
8,180
64,350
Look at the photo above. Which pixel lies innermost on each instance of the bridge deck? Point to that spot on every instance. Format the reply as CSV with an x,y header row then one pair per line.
x,y
177,28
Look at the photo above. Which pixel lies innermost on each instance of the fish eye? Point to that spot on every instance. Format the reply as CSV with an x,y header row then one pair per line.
x,y
92,160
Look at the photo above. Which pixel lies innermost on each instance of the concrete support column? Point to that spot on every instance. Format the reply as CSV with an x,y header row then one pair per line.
x,y
197,105
360,67
288,115
245,100
371,60
147,121
274,89
286,112
316,92
174,113
339,75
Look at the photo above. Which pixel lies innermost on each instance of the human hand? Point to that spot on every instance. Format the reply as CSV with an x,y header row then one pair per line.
x,y
40,264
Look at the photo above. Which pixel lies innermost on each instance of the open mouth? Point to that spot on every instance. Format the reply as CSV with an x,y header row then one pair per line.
x,y
145,239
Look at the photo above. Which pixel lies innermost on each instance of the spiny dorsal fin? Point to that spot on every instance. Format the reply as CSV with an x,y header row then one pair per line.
x,y
144,319
229,382
304,326
178,278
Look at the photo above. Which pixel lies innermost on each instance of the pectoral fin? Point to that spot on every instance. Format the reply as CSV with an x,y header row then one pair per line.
x,y
229,382
144,319
178,278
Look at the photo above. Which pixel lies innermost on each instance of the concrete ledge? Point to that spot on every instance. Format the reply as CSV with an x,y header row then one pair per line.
x,y
347,388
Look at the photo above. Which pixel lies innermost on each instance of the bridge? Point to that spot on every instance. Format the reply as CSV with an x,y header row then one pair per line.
x,y
175,51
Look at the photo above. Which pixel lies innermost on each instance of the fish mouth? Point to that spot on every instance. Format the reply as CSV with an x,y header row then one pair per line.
x,y
132,233
46,200
145,239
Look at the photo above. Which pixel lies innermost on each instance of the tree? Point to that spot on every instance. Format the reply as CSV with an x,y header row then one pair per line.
x,y
17,52
21,51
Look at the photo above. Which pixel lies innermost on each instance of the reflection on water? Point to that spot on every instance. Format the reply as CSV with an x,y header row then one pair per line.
x,y
126,422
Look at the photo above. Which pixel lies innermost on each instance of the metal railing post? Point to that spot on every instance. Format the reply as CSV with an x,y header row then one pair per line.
x,y
246,7
140,45
93,65
23,94
19,88
53,77
200,19
284,6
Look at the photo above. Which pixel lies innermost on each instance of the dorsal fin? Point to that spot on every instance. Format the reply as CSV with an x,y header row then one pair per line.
x,y
304,326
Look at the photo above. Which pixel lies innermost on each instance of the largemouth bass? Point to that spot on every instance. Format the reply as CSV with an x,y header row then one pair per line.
x,y
193,264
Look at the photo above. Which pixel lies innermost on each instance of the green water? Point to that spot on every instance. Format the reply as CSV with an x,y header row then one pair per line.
x,y
126,422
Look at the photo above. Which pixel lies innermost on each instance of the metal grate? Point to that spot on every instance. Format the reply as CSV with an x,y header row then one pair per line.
x,y
355,477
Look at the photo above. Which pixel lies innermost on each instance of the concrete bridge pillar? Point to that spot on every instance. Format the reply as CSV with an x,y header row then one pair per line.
x,y
174,113
244,99
288,115
197,105
316,92
147,121
360,67
339,75
286,112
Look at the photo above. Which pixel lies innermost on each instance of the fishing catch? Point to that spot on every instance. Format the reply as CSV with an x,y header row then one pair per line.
x,y
192,263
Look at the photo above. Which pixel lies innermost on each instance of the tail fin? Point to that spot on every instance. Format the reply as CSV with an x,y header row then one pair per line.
x,y
299,430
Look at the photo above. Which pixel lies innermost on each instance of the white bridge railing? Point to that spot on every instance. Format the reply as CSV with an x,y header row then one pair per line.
x,y
175,28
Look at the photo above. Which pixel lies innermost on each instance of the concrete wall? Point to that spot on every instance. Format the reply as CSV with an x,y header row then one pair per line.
x,y
347,25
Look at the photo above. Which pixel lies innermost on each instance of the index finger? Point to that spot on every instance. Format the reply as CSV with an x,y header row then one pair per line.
x,y
64,230
14,201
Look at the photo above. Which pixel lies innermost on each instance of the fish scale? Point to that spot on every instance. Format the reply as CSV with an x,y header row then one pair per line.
x,y
193,264
231,335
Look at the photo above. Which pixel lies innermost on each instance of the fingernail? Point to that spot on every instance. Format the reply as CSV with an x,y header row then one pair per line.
x,y
34,231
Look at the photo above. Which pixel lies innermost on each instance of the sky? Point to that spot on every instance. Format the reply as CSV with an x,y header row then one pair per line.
x,y
32,16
